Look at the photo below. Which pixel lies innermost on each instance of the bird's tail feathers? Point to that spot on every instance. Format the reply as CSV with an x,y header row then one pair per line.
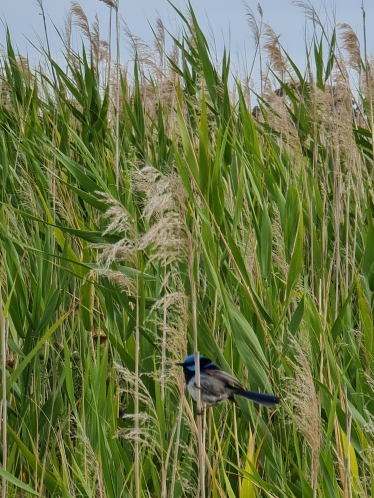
x,y
261,398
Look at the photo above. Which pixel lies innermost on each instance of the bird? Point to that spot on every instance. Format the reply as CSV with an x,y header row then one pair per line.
x,y
217,386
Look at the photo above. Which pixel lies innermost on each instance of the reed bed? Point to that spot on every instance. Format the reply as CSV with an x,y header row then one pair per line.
x,y
149,210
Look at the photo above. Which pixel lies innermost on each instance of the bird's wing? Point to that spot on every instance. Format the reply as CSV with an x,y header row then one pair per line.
x,y
210,384
225,377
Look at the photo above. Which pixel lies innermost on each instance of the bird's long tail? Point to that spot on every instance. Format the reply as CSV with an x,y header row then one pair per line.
x,y
261,398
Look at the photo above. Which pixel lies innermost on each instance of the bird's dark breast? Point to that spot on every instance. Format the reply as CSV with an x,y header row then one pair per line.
x,y
188,374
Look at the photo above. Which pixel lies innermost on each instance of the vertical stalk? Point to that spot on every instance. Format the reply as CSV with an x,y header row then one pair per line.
x,y
163,350
117,96
368,77
110,49
236,436
3,411
136,395
347,244
162,385
176,446
40,3
199,407
348,479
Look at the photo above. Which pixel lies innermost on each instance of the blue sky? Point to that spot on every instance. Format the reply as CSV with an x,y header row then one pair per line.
x,y
226,19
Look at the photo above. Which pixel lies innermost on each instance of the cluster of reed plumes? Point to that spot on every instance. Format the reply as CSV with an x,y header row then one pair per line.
x,y
152,210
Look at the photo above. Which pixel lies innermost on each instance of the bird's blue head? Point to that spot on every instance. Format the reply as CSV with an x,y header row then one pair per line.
x,y
189,363
189,366
205,363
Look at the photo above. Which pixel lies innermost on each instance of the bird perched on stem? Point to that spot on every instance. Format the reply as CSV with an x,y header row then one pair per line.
x,y
218,386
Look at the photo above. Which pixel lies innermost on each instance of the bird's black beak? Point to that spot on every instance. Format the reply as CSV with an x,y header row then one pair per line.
x,y
180,364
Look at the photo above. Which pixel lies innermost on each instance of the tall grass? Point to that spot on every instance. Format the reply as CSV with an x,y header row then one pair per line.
x,y
144,214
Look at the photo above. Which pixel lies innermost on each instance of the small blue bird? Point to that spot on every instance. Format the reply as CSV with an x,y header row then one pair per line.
x,y
218,386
